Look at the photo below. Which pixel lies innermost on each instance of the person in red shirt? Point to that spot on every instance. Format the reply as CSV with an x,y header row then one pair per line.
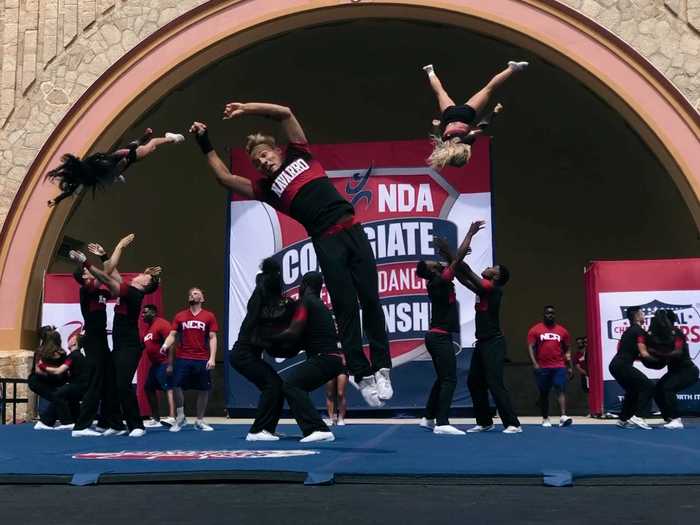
x,y
548,345
296,184
196,330
581,363
157,331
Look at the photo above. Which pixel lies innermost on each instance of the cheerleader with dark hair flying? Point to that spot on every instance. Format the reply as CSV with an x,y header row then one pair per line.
x,y
102,169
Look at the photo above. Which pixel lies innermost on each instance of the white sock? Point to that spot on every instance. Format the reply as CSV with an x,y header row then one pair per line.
x,y
429,69
180,412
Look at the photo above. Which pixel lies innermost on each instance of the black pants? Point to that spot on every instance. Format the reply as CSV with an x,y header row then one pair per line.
x,y
247,361
442,351
64,398
486,375
584,384
126,356
669,385
306,377
639,389
350,273
100,389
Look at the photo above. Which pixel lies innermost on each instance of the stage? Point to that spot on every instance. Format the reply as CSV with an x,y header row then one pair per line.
x,y
580,454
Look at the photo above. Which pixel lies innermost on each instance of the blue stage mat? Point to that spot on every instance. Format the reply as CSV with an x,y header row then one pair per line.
x,y
359,450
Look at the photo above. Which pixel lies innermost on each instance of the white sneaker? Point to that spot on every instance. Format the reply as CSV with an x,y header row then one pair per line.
x,y
175,427
427,423
512,430
175,138
429,69
639,422
86,432
179,424
565,421
318,436
42,426
675,424
328,421
137,433
368,389
264,435
168,421
65,427
340,422
518,66
624,424
113,432
449,430
152,423
479,428
546,423
383,379
199,424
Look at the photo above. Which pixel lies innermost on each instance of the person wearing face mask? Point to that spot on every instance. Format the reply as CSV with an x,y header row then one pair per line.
x,y
157,331
548,346
191,365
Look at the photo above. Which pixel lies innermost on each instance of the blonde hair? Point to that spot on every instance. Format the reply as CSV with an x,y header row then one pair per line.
x,y
258,139
448,152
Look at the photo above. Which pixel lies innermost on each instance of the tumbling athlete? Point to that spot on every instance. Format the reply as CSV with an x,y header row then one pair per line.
x,y
548,346
639,389
296,184
102,169
486,369
190,367
456,131
125,334
438,340
313,327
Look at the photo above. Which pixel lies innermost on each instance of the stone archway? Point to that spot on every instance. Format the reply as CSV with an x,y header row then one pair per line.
x,y
609,67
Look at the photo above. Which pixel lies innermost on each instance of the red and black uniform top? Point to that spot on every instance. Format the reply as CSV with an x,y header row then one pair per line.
x,y
301,189
580,360
627,349
319,336
441,291
488,306
125,328
680,342
154,338
80,369
93,306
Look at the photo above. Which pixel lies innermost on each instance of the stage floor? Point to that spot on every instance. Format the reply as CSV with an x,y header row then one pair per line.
x,y
361,451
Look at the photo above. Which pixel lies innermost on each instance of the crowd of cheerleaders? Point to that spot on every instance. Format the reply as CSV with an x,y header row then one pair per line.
x,y
295,183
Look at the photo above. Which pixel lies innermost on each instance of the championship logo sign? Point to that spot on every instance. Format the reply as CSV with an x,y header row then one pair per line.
x,y
193,455
403,205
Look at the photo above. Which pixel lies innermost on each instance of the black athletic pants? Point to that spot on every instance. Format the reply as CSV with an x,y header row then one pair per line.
x,y
486,375
61,396
306,377
639,389
126,356
248,362
442,351
669,385
350,272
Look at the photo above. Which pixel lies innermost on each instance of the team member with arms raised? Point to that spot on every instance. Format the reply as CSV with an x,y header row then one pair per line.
x,y
296,184
548,346
196,330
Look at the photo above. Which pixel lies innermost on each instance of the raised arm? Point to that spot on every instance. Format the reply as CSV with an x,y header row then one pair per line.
x,y
282,114
101,276
224,177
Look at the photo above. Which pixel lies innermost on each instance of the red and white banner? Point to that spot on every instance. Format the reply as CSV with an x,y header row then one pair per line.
x,y
61,308
612,287
402,203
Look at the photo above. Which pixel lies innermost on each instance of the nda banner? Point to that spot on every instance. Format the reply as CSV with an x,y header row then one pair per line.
x,y
61,308
403,205
651,285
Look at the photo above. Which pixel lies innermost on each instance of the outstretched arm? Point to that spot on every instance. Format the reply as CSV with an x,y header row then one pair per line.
x,y
283,114
224,177
101,276
111,263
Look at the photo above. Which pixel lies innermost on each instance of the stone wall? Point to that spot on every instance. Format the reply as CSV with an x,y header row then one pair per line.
x,y
18,365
